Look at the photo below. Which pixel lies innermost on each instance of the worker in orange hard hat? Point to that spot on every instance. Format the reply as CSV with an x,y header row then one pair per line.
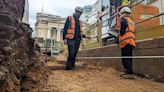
x,y
72,36
126,40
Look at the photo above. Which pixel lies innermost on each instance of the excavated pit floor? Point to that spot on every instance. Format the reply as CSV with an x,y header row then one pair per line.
x,y
93,78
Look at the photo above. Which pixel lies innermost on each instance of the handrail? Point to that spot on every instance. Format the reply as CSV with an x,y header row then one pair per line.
x,y
157,15
115,15
142,21
102,22
136,23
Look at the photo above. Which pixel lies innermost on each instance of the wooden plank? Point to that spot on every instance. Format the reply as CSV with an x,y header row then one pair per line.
x,y
150,33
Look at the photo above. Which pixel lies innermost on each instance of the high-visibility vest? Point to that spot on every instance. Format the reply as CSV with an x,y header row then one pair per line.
x,y
129,36
71,30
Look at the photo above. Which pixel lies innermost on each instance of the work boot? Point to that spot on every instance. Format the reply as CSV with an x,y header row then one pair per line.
x,y
122,73
68,68
128,76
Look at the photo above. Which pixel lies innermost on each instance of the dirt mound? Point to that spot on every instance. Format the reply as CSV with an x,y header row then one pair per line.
x,y
22,66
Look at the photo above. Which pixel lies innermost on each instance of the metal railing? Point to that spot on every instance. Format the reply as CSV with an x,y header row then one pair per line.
x,y
137,23
93,25
157,15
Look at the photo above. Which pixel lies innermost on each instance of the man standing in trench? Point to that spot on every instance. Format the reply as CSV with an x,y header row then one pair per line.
x,y
72,36
127,41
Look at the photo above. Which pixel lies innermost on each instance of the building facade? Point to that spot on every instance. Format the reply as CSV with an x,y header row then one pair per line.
x,y
94,13
92,18
48,26
90,14
49,30
86,13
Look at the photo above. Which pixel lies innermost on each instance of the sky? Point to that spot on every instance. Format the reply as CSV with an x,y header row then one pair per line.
x,y
56,7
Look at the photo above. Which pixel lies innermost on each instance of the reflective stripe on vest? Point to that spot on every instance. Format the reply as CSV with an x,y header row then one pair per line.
x,y
71,29
126,39
130,31
129,36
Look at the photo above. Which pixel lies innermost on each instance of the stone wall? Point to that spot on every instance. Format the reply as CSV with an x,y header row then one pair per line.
x,y
22,66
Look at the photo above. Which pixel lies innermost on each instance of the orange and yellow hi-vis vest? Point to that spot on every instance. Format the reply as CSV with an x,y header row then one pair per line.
x,y
71,30
129,36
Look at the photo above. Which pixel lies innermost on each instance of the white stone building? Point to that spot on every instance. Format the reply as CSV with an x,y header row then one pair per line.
x,y
48,26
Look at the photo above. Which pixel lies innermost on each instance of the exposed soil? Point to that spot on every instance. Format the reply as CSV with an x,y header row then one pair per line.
x,y
93,78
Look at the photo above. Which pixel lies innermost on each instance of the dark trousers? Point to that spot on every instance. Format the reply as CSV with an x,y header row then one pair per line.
x,y
73,47
127,62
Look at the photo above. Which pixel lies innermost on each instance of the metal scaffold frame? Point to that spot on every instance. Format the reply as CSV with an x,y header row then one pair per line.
x,y
138,22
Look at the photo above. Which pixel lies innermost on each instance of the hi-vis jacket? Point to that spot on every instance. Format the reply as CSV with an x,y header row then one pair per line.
x,y
71,30
129,36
